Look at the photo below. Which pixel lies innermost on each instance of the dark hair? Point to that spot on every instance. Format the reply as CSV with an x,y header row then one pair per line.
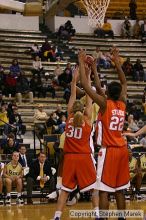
x,y
41,152
114,90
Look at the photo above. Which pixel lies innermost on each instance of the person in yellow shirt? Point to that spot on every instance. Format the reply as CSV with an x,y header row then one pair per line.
x,y
4,120
107,29
13,174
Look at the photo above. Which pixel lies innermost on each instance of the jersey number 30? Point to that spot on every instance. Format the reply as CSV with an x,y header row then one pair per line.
x,y
116,123
74,132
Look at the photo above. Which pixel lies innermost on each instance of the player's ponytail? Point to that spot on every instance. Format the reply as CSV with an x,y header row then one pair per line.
x,y
78,119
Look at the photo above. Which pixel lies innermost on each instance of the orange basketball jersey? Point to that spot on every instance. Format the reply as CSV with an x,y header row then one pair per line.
x,y
110,125
78,140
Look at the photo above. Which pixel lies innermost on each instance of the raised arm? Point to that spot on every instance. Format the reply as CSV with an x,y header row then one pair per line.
x,y
97,80
121,75
100,100
73,90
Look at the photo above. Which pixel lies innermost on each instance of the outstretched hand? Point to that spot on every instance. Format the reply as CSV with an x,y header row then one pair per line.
x,y
76,74
130,134
81,55
115,55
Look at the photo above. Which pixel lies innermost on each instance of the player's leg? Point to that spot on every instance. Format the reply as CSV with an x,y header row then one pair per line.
x,y
19,185
138,179
8,182
120,200
60,204
103,200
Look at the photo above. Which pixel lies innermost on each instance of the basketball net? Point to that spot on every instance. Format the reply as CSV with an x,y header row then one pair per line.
x,y
96,10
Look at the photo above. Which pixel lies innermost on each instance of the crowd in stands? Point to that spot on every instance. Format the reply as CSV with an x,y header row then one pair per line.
x,y
137,31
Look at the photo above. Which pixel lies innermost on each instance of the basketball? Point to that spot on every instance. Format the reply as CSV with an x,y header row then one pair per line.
x,y
89,60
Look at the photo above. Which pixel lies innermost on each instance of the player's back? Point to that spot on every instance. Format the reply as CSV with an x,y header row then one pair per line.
x,y
110,124
77,140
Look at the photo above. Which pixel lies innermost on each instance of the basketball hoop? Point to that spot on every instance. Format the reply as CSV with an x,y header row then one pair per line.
x,y
96,10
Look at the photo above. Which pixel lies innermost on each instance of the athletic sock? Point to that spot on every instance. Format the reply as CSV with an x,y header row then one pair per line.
x,y
57,214
18,195
96,209
8,195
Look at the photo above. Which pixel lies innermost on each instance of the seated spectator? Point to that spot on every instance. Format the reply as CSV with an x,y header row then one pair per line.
x,y
47,86
101,58
110,53
10,85
35,50
58,53
40,173
46,51
15,68
37,66
23,88
16,120
60,127
126,29
69,28
139,73
13,174
143,141
52,121
144,100
40,118
132,125
135,173
24,159
59,111
4,120
66,77
107,29
143,164
136,30
143,31
9,145
128,68
57,72
1,69
105,61
35,86
1,182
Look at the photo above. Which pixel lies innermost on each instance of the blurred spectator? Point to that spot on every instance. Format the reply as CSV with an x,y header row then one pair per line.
x,y
143,141
52,121
143,31
66,31
40,173
1,182
13,174
133,7
4,120
126,29
35,85
59,111
57,72
23,88
105,61
47,86
47,52
40,118
128,67
37,66
15,120
15,68
144,101
10,85
66,77
60,127
10,144
107,29
69,28
134,111
132,125
1,69
139,73
58,53
136,30
35,50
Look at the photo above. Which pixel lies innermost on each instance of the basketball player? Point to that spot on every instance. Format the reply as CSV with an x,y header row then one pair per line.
x,y
13,173
78,168
113,159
